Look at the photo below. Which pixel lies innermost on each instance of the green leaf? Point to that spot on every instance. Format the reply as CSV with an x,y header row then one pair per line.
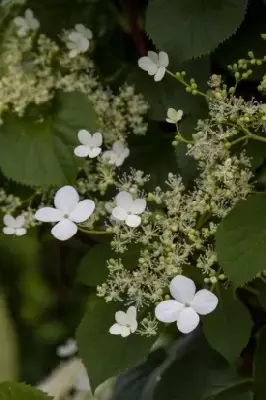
x,y
240,240
191,28
260,367
103,354
93,270
9,360
20,391
41,153
171,93
231,320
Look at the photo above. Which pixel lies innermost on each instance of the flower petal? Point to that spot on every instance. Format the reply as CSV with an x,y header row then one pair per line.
x,y
132,318
118,147
94,152
21,231
97,139
163,59
67,349
119,214
182,289
125,331
204,302
138,206
20,221
153,57
145,63
133,221
9,231
82,151
9,221
168,310
153,69
85,137
115,329
159,74
172,114
187,320
83,211
121,318
73,53
20,22
66,199
34,24
179,115
83,44
124,200
64,230
48,214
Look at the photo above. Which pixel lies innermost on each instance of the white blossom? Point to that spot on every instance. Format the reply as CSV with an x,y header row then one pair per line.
x,y
155,64
83,382
174,116
187,304
128,210
78,41
68,212
90,144
117,155
14,226
26,24
69,348
126,322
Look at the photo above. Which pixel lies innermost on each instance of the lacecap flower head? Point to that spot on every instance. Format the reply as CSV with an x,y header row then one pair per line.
x,y
187,304
68,212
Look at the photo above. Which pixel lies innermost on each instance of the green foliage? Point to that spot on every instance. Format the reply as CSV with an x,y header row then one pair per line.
x,y
260,367
240,240
92,270
15,391
192,28
231,320
41,153
103,354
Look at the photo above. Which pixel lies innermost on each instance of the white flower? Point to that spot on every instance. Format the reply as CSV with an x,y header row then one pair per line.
x,y
90,144
128,210
117,155
68,212
126,323
67,349
14,226
155,64
174,116
78,40
83,383
26,24
187,304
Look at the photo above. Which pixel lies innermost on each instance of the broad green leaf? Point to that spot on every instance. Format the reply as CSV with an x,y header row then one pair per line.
x,y
191,28
103,354
171,93
240,240
93,270
260,367
20,391
231,320
9,359
41,153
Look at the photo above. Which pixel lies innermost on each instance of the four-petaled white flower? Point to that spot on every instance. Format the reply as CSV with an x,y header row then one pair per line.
x,y
155,64
68,212
14,226
187,306
128,210
78,40
126,322
90,144
69,348
26,24
117,155
174,116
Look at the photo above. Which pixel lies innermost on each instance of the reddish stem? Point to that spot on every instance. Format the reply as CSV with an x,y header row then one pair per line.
x,y
137,34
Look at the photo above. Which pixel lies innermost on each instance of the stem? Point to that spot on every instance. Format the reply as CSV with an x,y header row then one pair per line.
x,y
94,232
246,137
182,139
202,220
251,290
181,80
